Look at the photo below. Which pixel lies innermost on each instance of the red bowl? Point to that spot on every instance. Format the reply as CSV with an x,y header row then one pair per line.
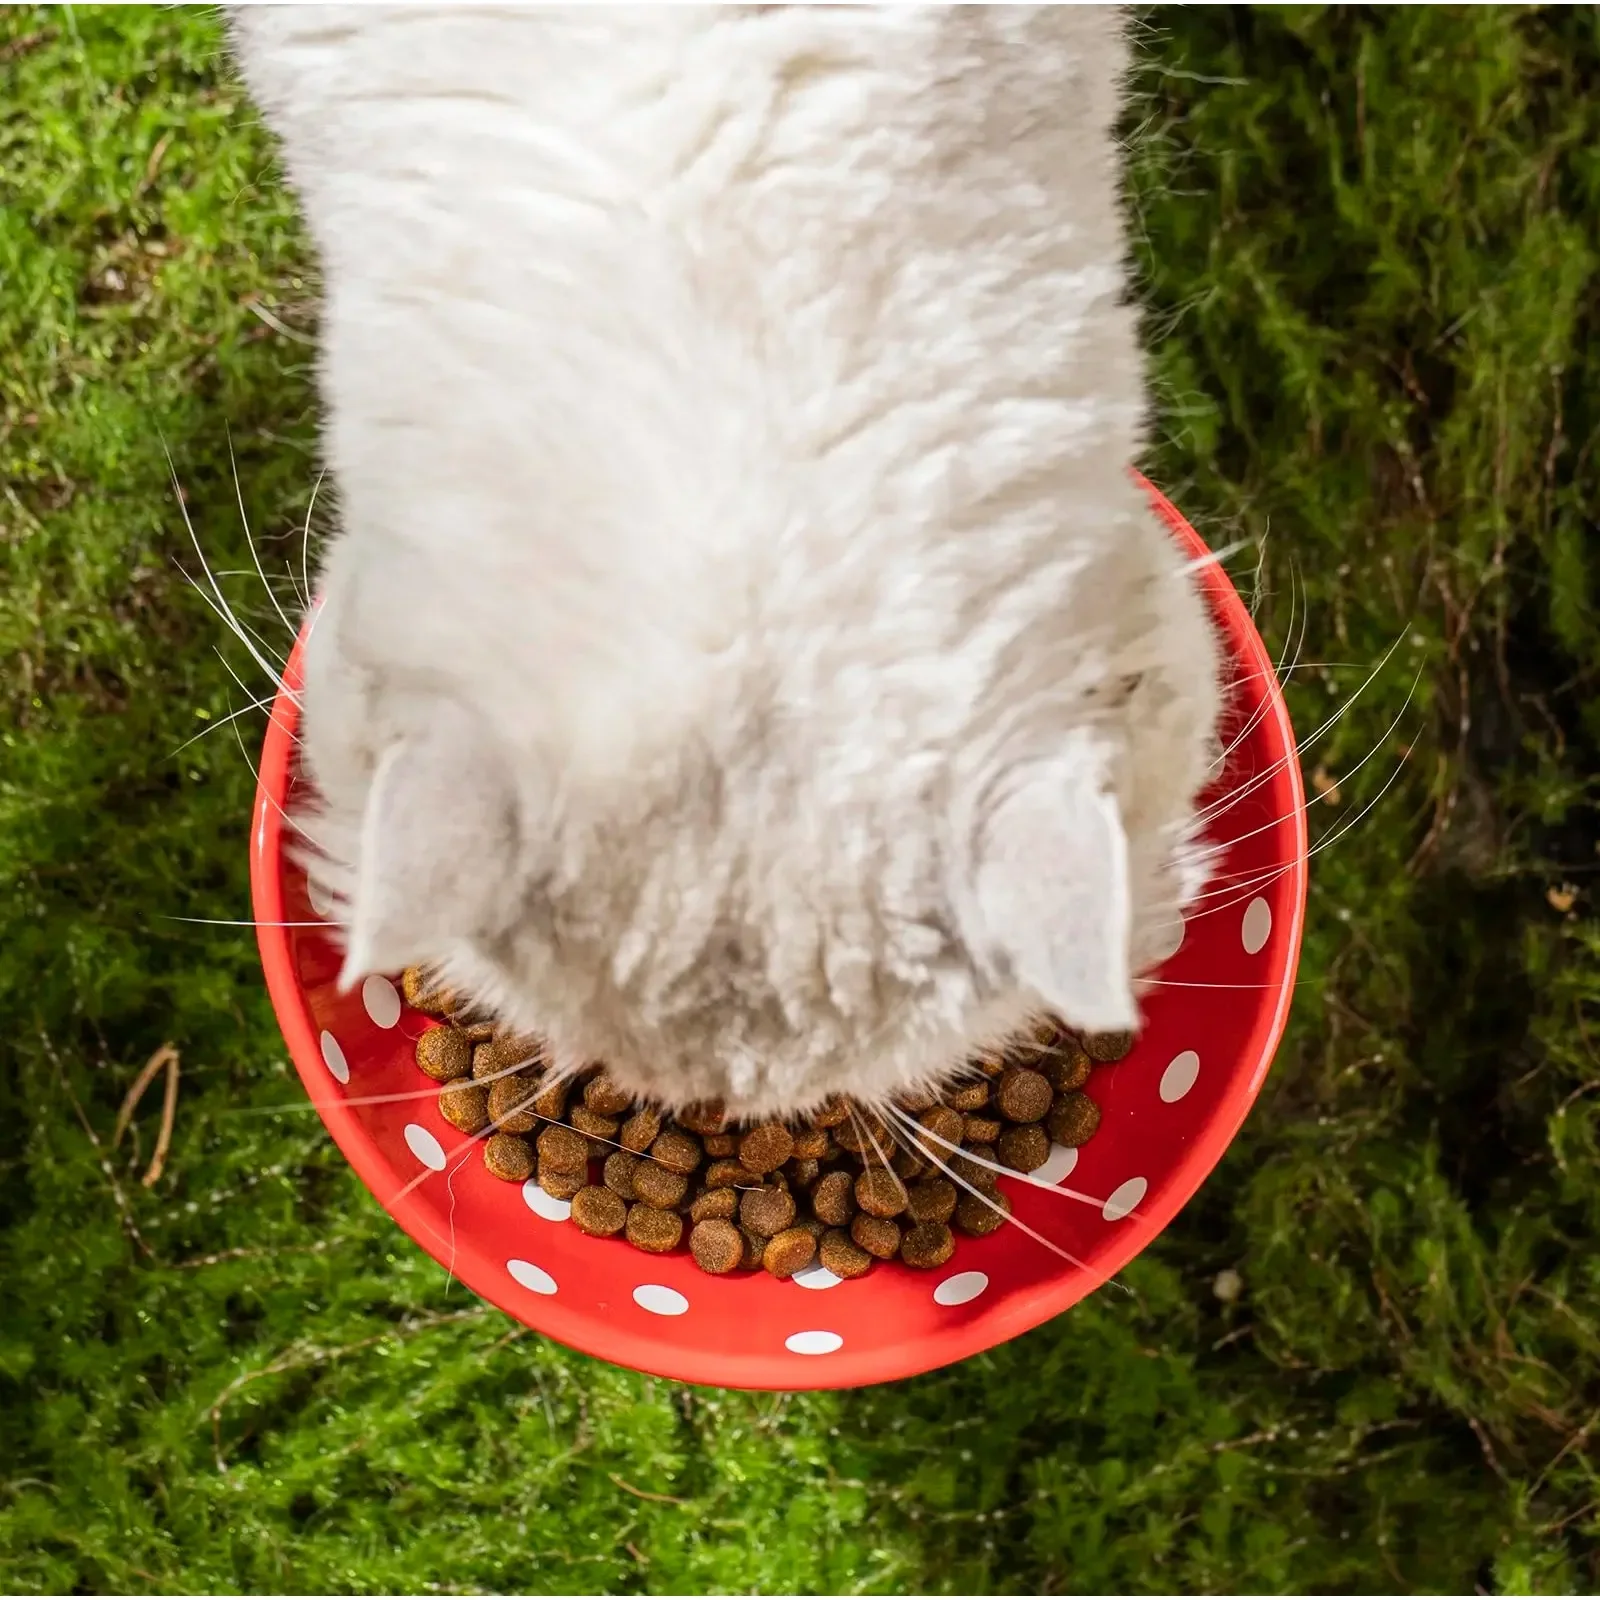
x,y
1214,1015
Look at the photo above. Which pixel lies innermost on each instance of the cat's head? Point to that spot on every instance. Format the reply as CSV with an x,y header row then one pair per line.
x,y
784,870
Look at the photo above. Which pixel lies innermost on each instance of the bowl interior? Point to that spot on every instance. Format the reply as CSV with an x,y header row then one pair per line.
x,y
1215,1012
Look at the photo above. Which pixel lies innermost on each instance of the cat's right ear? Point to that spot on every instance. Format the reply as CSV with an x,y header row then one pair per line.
x,y
438,838
1049,893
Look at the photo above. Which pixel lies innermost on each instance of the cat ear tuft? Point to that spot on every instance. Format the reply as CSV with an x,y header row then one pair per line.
x,y
438,838
1053,896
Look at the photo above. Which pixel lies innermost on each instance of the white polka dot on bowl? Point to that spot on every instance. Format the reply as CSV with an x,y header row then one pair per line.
x,y
382,1001
657,1297
1256,928
1179,1078
1169,939
531,1277
816,1278
1058,1164
814,1342
545,1205
1124,1199
424,1146
964,1286
320,902
333,1057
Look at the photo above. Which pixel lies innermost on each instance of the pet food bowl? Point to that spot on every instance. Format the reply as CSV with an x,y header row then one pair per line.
x,y
1213,1019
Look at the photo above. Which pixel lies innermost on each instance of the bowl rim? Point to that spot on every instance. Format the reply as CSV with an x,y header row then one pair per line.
x,y
611,1339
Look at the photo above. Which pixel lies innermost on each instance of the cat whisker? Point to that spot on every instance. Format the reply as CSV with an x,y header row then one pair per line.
x,y
1280,672
264,704
222,608
288,821
1339,833
250,572
229,669
1293,641
450,1220
1296,666
1226,802
998,1168
1015,1222
495,1125
239,922
1175,983
250,639
1245,881
1249,887
1257,583
294,586
249,538
1267,827
866,1132
305,542
430,1172
1214,558
367,1099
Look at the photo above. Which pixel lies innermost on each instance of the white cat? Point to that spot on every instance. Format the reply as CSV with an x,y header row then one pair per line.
x,y
745,656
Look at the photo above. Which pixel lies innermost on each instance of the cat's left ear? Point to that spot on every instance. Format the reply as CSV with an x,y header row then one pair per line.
x,y
438,836
1051,895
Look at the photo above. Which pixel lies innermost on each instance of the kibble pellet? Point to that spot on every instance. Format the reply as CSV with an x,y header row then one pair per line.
x,y
600,1212
834,1199
716,1245
1022,1095
968,1096
659,1186
649,1228
706,1116
677,1151
841,1255
640,1131
789,1252
511,1105
927,1244
465,1105
560,1185
880,1193
508,1157
604,1096
980,1214
1073,1119
444,1053
715,1205
618,1173
931,1200
766,1148
767,1210
878,1236
1025,1148
601,1132
562,1148
981,1130
1107,1047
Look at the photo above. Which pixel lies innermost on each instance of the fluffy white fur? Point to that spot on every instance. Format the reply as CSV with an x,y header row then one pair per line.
x,y
744,657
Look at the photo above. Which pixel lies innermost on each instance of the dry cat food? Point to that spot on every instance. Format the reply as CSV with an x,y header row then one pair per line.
x,y
843,1187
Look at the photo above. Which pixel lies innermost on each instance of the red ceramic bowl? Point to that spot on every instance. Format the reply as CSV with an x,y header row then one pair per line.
x,y
1214,1017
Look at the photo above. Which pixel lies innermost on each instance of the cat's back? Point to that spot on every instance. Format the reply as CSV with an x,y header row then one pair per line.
x,y
759,329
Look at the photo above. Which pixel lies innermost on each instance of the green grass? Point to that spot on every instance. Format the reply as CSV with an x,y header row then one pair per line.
x,y
1368,242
